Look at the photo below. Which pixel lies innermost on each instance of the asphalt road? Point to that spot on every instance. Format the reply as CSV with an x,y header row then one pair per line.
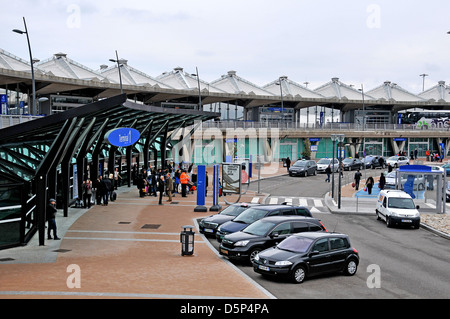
x,y
395,262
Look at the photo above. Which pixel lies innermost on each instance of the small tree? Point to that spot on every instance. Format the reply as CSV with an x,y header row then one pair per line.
x,y
307,150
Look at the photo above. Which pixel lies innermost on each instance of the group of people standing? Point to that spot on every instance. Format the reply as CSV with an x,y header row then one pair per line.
x,y
151,183
101,188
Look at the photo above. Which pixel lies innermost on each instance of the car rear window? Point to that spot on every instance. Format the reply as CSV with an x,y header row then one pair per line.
x,y
303,212
338,243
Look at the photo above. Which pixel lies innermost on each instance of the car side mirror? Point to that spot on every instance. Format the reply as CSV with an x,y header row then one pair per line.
x,y
417,207
274,235
314,253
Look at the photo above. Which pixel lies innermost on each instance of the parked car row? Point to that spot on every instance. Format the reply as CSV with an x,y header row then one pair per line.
x,y
280,240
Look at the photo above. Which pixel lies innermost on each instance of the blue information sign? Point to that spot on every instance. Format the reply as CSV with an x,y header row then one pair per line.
x,y
123,137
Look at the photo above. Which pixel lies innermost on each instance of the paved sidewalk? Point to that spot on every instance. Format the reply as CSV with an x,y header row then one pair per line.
x,y
129,249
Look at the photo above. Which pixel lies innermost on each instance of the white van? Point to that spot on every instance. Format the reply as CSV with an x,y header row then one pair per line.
x,y
397,207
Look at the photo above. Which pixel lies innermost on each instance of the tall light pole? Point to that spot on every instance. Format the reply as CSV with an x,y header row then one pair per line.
x,y
281,89
340,138
423,85
120,73
364,107
33,83
199,90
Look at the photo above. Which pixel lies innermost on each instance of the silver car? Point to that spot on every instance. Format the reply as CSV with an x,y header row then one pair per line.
x,y
324,162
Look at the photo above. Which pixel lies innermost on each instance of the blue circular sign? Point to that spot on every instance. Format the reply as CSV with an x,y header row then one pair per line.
x,y
123,137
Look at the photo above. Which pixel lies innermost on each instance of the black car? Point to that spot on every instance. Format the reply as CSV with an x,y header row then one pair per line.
x,y
351,164
265,233
303,168
307,254
209,225
253,214
375,161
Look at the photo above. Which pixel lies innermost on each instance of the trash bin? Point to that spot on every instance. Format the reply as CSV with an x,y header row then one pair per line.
x,y
187,241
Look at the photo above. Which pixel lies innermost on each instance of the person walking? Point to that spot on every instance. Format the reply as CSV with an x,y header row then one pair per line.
x,y
51,219
169,186
288,163
184,179
358,176
161,188
328,172
87,193
382,182
369,184
99,189
107,188
416,153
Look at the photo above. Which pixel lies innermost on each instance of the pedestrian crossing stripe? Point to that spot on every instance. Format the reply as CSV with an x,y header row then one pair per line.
x,y
315,205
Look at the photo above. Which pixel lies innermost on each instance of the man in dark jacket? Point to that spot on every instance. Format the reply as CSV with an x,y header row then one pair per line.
x,y
107,188
51,219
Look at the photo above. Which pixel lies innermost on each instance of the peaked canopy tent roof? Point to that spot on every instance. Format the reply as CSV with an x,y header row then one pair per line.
x,y
439,92
61,75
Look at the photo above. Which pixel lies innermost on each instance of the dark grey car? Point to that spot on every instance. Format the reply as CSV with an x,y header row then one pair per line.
x,y
303,168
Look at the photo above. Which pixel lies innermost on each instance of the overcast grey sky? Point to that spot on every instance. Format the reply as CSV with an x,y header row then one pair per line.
x,y
361,42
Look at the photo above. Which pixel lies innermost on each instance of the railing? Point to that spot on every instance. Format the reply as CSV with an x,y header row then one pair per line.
x,y
11,120
311,126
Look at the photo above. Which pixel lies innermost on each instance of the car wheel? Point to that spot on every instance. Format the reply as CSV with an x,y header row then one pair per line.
x,y
351,267
298,274
253,254
389,223
378,215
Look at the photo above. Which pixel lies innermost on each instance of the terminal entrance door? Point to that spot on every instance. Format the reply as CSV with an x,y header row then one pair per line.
x,y
373,148
288,150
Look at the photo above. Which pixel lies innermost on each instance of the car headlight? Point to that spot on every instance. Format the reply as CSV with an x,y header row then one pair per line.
x,y
241,243
283,263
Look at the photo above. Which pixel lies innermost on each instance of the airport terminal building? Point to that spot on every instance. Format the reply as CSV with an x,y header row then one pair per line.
x,y
49,147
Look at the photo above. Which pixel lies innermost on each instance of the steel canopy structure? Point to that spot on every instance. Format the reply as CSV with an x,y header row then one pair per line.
x,y
37,158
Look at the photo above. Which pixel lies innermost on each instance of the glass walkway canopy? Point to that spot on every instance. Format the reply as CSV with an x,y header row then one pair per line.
x,y
50,157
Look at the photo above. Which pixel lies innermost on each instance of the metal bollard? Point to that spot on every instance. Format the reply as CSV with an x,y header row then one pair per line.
x,y
187,241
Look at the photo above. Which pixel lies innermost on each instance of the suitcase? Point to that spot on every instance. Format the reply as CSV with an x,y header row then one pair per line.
x,y
114,196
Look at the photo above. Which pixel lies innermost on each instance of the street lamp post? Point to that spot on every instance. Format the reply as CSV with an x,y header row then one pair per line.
x,y
423,83
199,90
120,73
281,90
334,139
364,107
340,138
33,83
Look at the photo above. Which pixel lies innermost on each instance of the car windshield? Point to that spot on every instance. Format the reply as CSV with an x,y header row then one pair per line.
x,y
401,203
348,160
390,175
296,244
393,158
324,161
259,228
300,164
251,215
233,210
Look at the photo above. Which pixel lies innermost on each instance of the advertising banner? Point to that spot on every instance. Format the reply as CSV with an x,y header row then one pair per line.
x,y
231,178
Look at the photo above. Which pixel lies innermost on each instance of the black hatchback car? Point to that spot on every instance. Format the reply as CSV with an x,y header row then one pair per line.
x,y
307,254
265,233
209,225
253,214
